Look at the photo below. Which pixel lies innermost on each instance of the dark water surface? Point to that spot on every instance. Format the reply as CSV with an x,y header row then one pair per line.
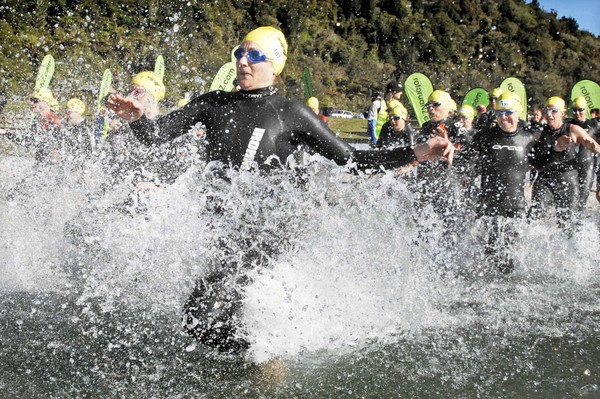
x,y
91,290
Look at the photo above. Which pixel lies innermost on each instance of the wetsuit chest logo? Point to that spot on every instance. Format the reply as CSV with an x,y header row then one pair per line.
x,y
253,145
507,147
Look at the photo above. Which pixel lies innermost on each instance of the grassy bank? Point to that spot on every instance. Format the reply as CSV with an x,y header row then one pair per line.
x,y
352,130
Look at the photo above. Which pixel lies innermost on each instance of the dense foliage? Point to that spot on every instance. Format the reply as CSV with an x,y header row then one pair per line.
x,y
351,46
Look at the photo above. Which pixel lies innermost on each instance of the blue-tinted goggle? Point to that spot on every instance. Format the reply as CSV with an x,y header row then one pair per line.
x,y
502,112
253,56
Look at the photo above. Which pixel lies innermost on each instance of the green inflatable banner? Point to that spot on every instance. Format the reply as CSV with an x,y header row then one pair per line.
x,y
225,76
308,86
475,97
102,121
44,76
516,86
45,73
417,88
589,90
159,66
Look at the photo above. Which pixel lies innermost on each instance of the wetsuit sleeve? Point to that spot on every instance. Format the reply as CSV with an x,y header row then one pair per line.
x,y
318,136
170,126
468,156
388,159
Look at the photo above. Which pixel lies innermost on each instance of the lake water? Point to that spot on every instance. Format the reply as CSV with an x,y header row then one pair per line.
x,y
93,279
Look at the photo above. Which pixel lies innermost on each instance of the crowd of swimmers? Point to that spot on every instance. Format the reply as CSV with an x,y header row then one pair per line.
x,y
464,160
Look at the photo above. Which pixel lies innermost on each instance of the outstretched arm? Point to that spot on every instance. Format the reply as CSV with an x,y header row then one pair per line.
x,y
583,138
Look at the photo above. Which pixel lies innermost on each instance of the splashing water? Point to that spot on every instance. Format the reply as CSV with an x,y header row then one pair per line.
x,y
94,279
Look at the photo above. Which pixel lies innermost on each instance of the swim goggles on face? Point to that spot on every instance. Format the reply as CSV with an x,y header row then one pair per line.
x,y
502,112
547,111
253,56
433,105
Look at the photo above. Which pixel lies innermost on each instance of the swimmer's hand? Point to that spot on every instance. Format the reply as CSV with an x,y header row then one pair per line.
x,y
125,108
435,148
562,143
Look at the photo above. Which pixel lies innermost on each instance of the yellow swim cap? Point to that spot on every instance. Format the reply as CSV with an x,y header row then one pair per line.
x,y
182,102
76,105
272,42
400,111
393,104
467,111
453,105
151,82
509,100
440,96
312,102
556,102
580,102
496,92
45,94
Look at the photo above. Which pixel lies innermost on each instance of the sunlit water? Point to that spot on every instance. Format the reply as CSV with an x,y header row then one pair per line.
x,y
93,282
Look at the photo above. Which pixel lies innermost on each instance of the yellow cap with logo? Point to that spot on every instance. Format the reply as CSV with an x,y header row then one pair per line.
x,y
76,105
509,100
272,42
557,103
45,94
152,83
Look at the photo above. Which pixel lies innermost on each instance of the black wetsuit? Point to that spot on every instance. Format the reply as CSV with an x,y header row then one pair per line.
x,y
447,192
389,138
435,179
557,182
260,128
585,161
501,160
244,130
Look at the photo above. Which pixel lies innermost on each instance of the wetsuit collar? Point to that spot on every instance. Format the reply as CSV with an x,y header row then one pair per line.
x,y
555,130
258,93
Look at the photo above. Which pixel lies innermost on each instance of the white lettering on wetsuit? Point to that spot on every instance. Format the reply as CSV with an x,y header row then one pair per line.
x,y
253,145
507,147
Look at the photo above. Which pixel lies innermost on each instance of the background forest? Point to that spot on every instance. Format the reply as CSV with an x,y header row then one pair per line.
x,y
351,47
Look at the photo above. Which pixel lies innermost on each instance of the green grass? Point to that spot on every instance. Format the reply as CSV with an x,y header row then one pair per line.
x,y
349,129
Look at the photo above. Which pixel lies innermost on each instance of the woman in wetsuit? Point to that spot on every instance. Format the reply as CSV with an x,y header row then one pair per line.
x,y
585,158
499,155
555,156
396,132
253,128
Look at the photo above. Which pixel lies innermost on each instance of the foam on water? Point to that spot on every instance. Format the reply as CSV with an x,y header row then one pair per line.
x,y
345,274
